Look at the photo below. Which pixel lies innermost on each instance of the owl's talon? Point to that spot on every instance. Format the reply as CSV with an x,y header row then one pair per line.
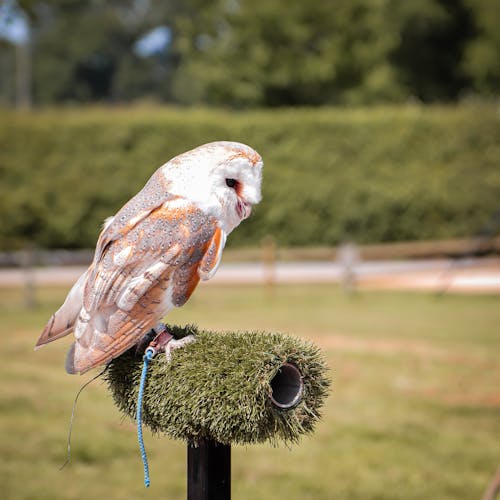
x,y
162,339
159,343
176,344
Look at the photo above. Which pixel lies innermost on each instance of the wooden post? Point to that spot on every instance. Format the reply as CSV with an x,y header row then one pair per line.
x,y
348,258
23,74
269,262
27,262
209,471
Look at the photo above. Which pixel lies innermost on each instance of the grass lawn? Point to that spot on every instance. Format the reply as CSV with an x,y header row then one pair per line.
x,y
414,412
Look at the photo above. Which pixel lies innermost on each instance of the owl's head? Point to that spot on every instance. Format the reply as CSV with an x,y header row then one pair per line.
x,y
222,178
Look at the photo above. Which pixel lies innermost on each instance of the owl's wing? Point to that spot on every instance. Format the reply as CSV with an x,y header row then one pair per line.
x,y
150,267
212,258
152,196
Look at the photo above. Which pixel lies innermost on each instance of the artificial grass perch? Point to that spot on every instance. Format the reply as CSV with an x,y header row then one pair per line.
x,y
222,387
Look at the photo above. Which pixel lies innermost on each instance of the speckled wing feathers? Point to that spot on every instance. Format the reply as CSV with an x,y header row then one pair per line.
x,y
152,196
149,198
211,260
150,268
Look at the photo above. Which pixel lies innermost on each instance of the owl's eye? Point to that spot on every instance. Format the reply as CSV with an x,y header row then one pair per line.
x,y
231,183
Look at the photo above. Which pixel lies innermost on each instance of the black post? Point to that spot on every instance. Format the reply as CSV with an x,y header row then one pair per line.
x,y
209,471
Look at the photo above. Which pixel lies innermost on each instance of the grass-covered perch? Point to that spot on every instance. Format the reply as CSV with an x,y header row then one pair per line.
x,y
219,387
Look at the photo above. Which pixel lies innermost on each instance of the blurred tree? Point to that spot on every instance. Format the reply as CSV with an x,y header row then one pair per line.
x,y
434,35
7,65
482,55
84,50
15,31
261,52
248,53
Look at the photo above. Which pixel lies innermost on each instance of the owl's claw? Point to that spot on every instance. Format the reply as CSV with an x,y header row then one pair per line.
x,y
165,341
176,344
162,339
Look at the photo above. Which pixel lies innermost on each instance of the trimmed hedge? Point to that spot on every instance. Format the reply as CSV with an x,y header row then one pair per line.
x,y
373,175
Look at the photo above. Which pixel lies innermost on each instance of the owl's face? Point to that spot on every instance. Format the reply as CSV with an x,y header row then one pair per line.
x,y
222,178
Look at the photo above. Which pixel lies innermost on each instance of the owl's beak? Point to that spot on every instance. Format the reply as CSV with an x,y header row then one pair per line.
x,y
243,208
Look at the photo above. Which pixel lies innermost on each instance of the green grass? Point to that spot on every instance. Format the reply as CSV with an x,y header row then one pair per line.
x,y
414,411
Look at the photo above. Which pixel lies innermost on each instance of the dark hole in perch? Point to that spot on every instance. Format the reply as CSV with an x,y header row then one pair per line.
x,y
287,387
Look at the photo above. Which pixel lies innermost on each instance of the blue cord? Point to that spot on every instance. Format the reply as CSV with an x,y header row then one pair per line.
x,y
148,356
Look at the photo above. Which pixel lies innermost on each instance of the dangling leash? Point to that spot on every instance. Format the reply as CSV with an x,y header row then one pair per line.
x,y
160,341
148,356
68,457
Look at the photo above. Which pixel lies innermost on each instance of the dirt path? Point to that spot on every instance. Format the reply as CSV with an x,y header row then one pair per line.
x,y
467,276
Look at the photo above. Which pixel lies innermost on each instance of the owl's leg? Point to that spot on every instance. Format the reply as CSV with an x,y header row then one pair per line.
x,y
162,339
165,341
176,344
157,338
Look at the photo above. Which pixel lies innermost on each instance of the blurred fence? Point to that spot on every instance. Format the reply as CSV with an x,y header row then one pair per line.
x,y
39,257
458,248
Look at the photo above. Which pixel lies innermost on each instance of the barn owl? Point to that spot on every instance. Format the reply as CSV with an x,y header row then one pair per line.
x,y
151,255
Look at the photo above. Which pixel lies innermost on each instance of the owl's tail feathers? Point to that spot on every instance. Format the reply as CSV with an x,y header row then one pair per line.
x,y
53,330
61,323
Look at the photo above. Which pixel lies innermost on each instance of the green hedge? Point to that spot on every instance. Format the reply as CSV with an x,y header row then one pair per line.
x,y
383,174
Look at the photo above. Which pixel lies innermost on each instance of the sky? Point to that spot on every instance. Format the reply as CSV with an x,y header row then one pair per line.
x,y
14,29
13,25
153,42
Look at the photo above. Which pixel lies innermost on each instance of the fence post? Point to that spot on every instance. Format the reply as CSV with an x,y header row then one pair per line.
x,y
269,262
28,259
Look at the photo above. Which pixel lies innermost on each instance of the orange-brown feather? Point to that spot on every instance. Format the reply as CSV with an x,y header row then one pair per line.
x,y
193,235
